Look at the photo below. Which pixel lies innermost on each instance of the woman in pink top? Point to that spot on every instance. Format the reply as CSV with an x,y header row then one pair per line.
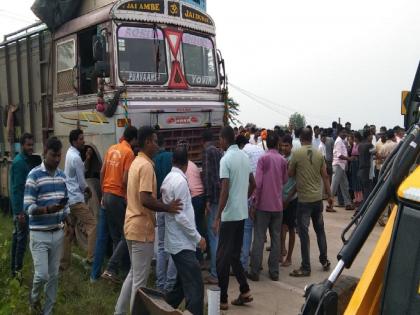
x,y
198,200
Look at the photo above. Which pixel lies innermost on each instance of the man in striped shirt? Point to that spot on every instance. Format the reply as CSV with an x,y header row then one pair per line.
x,y
46,204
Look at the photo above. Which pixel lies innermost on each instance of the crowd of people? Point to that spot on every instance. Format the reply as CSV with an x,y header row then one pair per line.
x,y
251,180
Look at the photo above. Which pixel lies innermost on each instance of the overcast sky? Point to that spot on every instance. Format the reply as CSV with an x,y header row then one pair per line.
x,y
325,59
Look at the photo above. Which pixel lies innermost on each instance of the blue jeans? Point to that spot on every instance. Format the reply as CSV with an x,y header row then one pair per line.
x,y
246,244
213,239
102,236
166,273
46,248
189,283
19,240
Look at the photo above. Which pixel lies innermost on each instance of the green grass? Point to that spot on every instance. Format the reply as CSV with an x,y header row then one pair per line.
x,y
76,295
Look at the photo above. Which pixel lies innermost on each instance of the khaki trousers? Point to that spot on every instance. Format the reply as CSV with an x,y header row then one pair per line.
x,y
79,212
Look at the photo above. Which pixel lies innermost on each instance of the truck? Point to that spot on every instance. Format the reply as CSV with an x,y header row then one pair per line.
x,y
101,65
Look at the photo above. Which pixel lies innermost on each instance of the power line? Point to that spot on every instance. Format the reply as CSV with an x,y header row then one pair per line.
x,y
244,92
270,104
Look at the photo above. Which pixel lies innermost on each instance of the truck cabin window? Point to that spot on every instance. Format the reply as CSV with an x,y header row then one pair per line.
x,y
141,55
65,56
199,61
65,64
87,80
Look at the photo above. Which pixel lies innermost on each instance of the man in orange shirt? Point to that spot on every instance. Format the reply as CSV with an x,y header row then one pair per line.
x,y
139,224
114,176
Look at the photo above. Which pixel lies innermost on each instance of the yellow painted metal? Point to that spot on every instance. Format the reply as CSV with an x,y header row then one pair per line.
x,y
410,188
367,296
404,95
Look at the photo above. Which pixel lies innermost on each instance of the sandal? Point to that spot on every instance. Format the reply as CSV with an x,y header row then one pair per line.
x,y
330,209
242,300
286,263
224,306
299,273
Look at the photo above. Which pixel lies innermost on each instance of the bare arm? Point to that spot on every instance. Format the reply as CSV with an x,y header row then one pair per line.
x,y
252,185
291,172
102,175
326,182
153,204
224,195
125,178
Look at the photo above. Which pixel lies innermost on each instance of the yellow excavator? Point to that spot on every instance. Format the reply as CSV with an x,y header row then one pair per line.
x,y
390,283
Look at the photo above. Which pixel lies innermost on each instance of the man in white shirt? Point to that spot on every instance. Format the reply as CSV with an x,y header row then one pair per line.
x,y
340,159
77,187
254,152
296,140
316,141
182,237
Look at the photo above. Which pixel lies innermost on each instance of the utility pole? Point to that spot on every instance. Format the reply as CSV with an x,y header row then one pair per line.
x,y
339,120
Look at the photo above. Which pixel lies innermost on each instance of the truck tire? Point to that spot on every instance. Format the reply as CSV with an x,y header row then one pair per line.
x,y
344,287
93,204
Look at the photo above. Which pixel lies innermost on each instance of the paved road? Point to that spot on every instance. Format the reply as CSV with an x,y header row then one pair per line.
x,y
284,297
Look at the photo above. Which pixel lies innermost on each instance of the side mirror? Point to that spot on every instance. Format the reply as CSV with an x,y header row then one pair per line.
x,y
222,69
99,47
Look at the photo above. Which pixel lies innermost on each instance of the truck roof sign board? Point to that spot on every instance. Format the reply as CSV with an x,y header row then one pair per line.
x,y
201,4
172,12
150,6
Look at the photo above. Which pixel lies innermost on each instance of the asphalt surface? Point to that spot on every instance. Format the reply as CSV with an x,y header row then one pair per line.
x,y
285,296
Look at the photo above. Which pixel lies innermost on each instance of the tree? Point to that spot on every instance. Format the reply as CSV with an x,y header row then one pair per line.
x,y
231,112
297,121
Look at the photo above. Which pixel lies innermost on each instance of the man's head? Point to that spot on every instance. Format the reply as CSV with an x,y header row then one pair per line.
x,y
306,136
52,153
348,125
323,136
367,135
207,136
180,158
287,145
317,131
147,139
373,129
253,129
227,137
334,125
382,133
273,140
297,132
390,135
161,140
399,132
77,139
27,143
358,137
342,132
130,135
241,141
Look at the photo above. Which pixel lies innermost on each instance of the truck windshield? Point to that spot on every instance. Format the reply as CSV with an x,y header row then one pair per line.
x,y
199,63
141,55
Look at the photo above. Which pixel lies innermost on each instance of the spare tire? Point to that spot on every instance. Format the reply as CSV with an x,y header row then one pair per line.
x,y
93,204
